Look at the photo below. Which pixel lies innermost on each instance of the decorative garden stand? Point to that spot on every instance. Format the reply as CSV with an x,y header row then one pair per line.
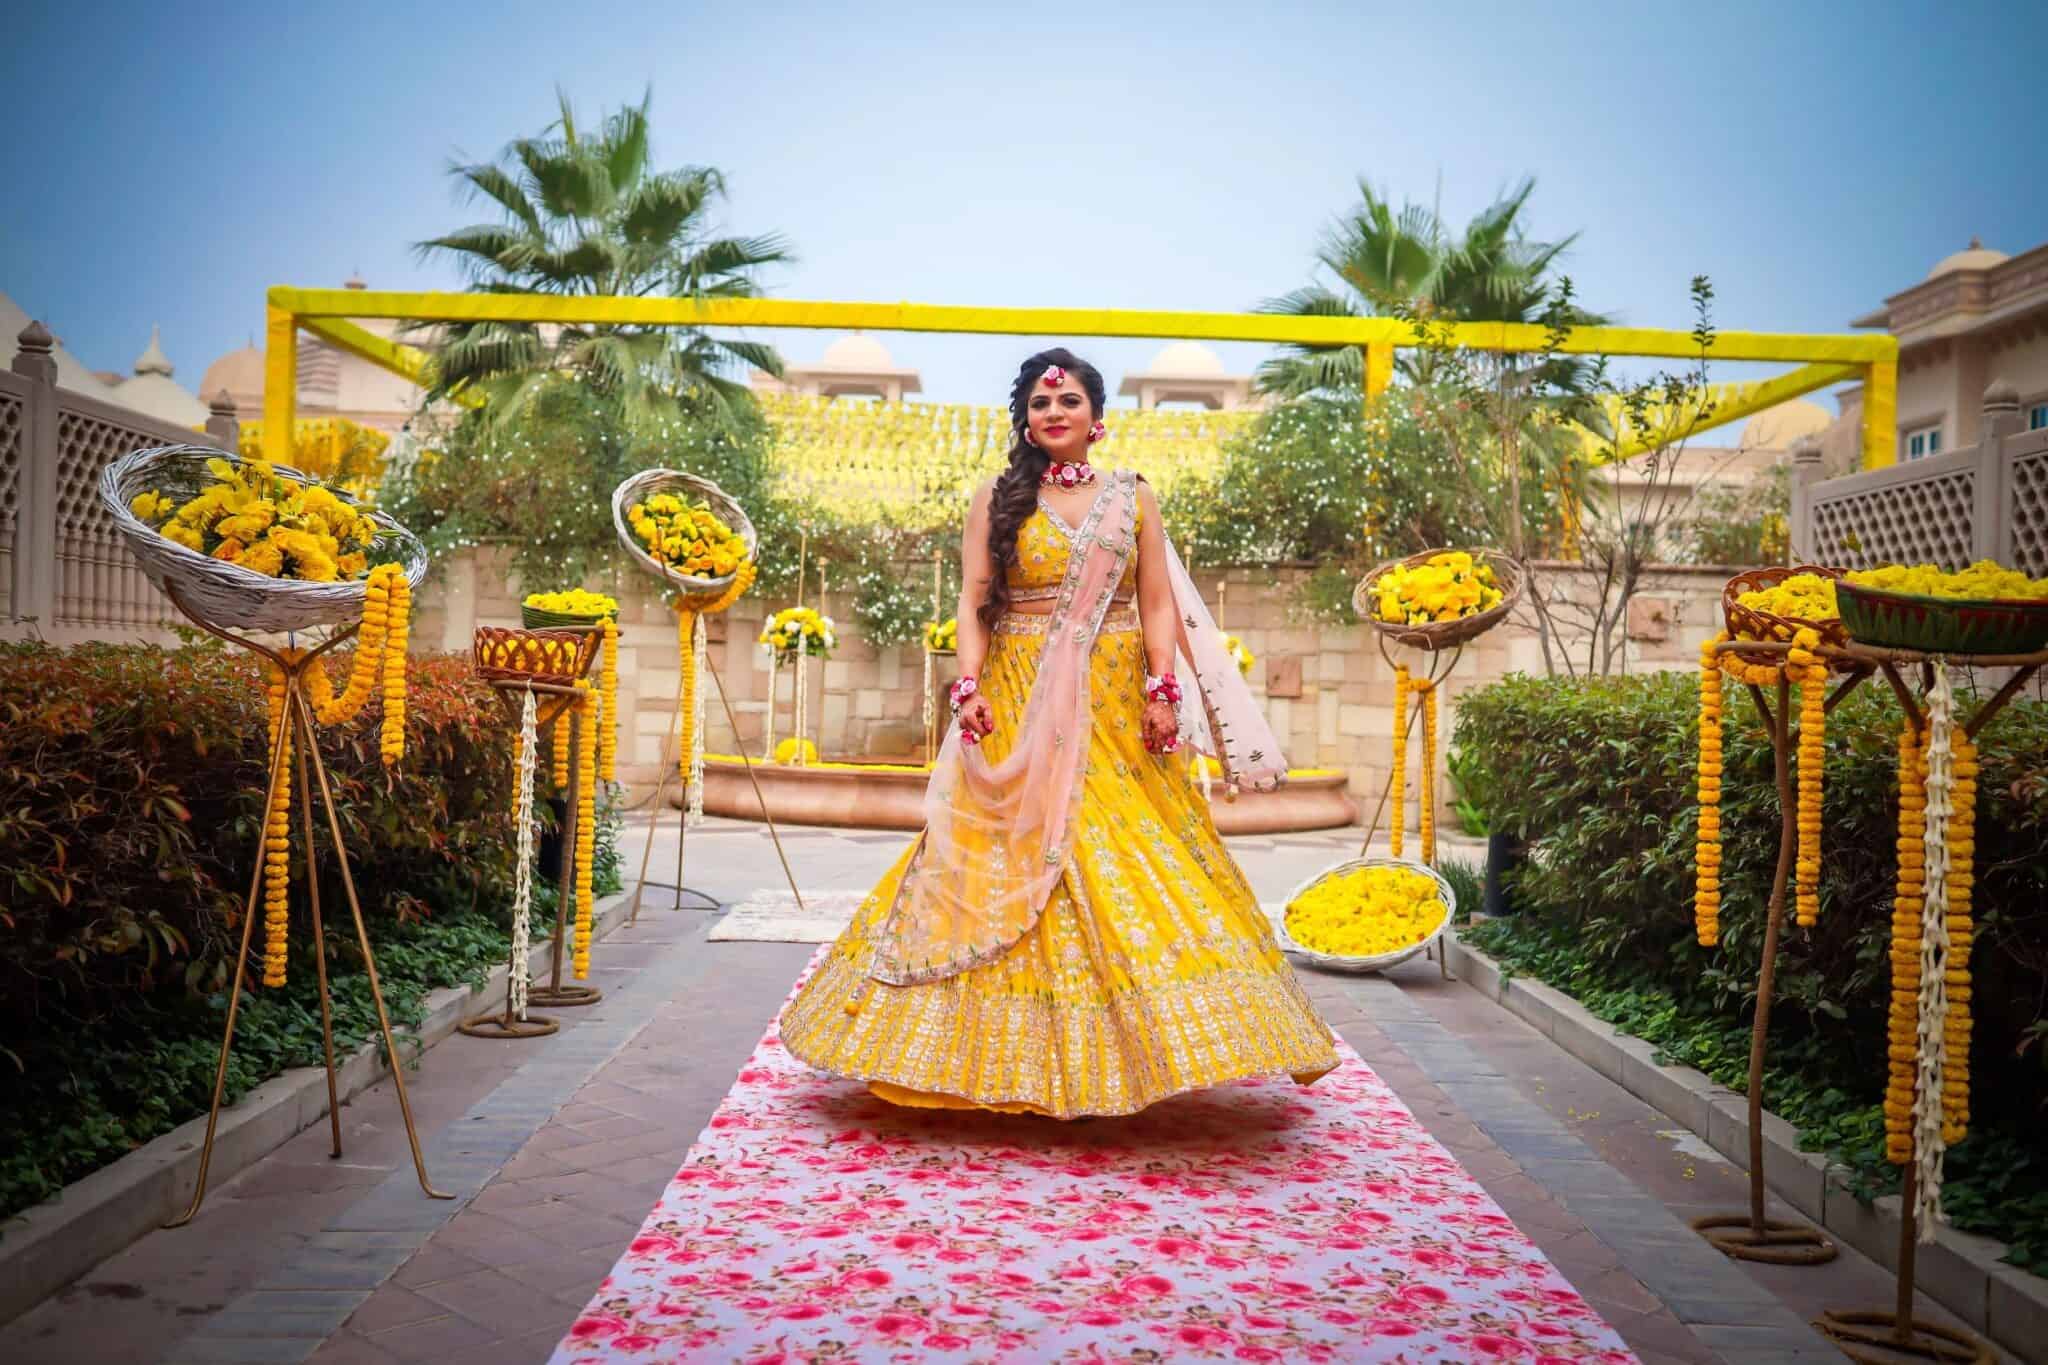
x,y
561,694
1752,1236
1897,1332
297,716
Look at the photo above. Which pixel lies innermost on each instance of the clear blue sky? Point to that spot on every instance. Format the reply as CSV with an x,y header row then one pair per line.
x,y
167,163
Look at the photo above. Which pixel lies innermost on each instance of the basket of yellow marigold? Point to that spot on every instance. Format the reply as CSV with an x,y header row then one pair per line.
x,y
248,545
684,530
1984,609
1776,603
1366,914
566,610
1438,599
942,637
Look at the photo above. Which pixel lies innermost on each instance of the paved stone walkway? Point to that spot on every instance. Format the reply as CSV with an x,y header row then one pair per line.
x,y
557,1148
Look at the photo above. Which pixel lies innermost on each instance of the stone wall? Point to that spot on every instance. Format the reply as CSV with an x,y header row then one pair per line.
x,y
1328,692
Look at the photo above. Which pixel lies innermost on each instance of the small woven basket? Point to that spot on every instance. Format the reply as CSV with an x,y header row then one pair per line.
x,y
1751,623
538,618
224,595
645,485
1441,634
1378,961
543,656
1942,625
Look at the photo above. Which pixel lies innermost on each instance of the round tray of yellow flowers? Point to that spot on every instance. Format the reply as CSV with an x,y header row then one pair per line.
x,y
1984,609
247,545
942,637
684,530
1367,914
1438,599
557,610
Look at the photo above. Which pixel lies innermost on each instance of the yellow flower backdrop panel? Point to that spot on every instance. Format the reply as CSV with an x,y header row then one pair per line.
x,y
333,449
914,464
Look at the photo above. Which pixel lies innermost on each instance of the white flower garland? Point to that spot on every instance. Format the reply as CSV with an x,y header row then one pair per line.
x,y
700,654
522,882
774,677
1929,1150
803,693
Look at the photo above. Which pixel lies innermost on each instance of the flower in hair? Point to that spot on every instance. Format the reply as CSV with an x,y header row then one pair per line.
x,y
1054,376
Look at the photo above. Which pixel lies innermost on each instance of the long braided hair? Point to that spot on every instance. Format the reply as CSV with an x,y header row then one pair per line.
x,y
1015,496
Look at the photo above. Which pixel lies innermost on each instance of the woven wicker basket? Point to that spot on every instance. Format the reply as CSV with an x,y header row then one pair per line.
x,y
1749,623
544,656
1378,961
645,485
1441,634
1943,625
226,595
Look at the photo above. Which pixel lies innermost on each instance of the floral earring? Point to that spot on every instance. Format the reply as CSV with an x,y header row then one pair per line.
x,y
1096,433
1029,439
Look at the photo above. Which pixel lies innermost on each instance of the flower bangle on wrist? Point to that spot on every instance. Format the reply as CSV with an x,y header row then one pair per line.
x,y
960,691
1162,687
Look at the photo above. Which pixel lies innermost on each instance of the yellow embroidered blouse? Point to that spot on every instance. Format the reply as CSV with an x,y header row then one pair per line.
x,y
1041,563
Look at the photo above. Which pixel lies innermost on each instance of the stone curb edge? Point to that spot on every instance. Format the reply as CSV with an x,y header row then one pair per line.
x,y
44,1248
1958,1270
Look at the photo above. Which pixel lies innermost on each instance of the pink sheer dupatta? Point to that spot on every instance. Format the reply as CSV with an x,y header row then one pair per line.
x,y
997,833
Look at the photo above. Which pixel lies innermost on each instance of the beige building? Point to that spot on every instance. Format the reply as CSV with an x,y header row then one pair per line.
x,y
1978,319
332,383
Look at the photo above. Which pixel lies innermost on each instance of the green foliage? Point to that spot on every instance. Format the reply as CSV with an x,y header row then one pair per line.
x,y
1467,884
543,485
1468,780
1745,525
582,212
1597,774
130,803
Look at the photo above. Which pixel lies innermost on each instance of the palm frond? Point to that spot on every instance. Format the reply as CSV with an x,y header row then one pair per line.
x,y
626,144
494,183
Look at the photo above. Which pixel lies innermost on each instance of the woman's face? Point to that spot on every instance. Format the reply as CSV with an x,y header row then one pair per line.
x,y
1059,416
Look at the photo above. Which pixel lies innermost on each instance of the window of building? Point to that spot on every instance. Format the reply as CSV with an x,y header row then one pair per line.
x,y
1923,442
2037,417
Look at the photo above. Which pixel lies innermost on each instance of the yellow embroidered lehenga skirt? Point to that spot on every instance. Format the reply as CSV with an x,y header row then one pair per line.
x,y
1151,971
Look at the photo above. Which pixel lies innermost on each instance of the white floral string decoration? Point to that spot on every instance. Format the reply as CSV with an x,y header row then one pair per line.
x,y
694,815
1929,1149
522,882
803,660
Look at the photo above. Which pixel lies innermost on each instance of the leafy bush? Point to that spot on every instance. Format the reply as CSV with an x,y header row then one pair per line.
x,y
129,805
1597,774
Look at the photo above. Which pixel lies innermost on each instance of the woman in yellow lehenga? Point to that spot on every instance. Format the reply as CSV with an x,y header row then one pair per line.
x,y
1068,936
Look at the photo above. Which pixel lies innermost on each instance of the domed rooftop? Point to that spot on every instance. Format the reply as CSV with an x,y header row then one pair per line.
x,y
1976,256
1186,359
240,372
1777,428
859,352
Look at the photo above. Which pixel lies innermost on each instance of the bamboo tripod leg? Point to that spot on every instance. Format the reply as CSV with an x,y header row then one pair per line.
x,y
732,722
348,885
296,702
227,1038
668,760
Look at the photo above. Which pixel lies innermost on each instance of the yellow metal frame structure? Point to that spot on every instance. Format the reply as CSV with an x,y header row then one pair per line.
x,y
1822,359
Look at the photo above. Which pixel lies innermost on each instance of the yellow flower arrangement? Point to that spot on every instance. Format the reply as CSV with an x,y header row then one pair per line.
x,y
575,602
1406,686
1445,587
558,750
1962,880
586,821
793,625
1239,655
1982,581
1399,777
787,752
1801,597
1366,911
942,637
687,536
1706,858
608,684
256,518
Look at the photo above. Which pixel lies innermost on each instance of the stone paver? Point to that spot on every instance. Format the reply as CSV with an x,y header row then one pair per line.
x,y
560,1148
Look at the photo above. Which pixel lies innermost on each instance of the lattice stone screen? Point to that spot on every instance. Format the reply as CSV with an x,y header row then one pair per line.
x,y
2027,487
1918,522
11,413
97,581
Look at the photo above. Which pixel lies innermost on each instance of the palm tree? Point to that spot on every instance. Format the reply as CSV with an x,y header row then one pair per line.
x,y
1405,264
585,214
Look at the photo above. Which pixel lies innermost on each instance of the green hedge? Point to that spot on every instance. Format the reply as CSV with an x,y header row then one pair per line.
x,y
1597,775
129,807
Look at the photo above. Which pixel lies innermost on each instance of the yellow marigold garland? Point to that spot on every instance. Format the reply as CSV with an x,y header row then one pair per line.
x,y
277,865
1399,778
1962,853
608,681
391,743
586,820
1902,1032
559,751
687,612
1706,896
1812,675
1426,780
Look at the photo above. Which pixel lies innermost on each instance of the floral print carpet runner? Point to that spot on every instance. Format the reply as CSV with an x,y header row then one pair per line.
x,y
1261,1221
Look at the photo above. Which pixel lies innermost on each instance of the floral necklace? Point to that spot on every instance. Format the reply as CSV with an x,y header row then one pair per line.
x,y
1068,474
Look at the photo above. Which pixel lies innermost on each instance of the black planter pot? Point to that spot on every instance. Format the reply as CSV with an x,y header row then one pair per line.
x,y
1503,853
